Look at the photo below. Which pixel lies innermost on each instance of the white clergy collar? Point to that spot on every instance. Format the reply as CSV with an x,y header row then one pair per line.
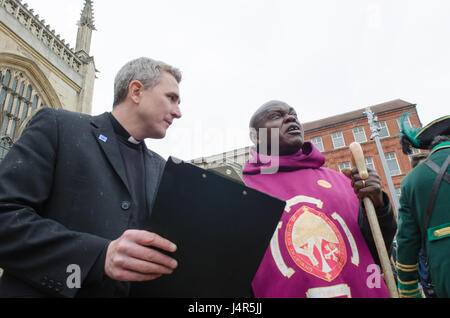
x,y
134,141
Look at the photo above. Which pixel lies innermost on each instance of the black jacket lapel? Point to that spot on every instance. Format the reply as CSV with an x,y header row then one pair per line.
x,y
106,138
154,168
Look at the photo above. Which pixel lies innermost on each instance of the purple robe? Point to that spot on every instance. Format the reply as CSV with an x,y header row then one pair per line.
x,y
318,249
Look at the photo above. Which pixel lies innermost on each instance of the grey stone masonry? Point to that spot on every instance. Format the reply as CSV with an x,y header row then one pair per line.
x,y
42,32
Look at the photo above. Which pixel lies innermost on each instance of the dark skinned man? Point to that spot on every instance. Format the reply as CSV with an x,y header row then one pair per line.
x,y
323,245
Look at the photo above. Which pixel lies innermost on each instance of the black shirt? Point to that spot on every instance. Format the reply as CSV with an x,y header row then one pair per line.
x,y
133,153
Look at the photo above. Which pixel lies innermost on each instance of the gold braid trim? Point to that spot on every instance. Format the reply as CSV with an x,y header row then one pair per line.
x,y
410,296
407,268
409,293
408,283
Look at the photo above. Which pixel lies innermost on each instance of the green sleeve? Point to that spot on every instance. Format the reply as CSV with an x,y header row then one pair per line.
x,y
409,244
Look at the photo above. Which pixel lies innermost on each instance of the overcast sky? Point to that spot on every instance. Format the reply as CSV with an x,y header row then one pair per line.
x,y
323,57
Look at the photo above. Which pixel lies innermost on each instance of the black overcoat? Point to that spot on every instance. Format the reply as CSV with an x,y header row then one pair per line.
x,y
63,197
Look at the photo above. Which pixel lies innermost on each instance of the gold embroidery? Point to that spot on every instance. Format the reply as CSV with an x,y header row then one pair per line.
x,y
442,232
351,240
329,292
302,199
324,184
277,257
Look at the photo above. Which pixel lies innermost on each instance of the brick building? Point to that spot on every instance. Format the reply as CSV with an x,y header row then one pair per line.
x,y
333,135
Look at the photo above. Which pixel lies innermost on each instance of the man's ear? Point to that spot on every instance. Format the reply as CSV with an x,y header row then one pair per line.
x,y
254,136
134,91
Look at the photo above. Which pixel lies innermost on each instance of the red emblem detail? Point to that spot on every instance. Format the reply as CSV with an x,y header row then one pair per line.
x,y
315,244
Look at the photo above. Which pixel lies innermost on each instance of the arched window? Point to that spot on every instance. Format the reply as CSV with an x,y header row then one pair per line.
x,y
4,84
24,89
18,100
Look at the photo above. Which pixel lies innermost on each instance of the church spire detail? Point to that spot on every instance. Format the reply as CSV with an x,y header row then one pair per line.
x,y
85,28
87,15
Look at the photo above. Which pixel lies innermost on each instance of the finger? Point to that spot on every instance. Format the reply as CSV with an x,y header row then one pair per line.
x,y
373,174
124,275
150,255
355,174
347,172
151,239
369,191
144,267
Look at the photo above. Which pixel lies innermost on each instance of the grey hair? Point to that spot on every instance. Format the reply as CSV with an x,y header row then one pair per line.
x,y
144,70
438,140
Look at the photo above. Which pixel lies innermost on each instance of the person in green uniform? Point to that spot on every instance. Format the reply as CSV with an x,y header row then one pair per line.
x,y
424,214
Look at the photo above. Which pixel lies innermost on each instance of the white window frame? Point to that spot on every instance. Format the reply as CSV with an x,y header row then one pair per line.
x,y
382,125
398,192
344,165
359,132
414,151
336,134
370,163
399,124
316,141
390,154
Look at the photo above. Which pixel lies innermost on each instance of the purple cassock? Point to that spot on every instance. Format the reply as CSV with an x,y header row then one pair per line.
x,y
317,249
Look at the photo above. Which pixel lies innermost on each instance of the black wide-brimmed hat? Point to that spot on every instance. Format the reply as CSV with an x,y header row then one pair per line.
x,y
422,138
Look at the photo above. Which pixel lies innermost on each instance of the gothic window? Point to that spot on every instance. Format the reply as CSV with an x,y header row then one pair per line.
x,y
5,144
6,78
19,99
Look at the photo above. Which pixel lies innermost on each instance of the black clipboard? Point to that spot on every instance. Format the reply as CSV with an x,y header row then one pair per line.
x,y
221,227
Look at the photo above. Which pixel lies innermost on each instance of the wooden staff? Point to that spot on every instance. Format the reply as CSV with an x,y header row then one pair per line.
x,y
358,156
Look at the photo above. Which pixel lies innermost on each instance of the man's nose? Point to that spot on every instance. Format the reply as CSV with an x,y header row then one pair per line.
x,y
291,118
176,112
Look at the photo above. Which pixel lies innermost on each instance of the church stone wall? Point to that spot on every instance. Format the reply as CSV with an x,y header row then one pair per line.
x,y
18,41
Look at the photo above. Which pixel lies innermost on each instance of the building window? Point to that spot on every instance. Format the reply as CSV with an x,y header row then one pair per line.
x,y
317,142
338,140
383,130
414,151
407,123
344,165
18,99
5,145
359,134
392,163
369,163
398,192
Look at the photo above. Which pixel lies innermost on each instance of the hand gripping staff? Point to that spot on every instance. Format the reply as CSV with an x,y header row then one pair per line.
x,y
358,156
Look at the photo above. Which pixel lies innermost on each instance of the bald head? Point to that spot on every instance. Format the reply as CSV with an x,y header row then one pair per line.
x,y
277,121
261,111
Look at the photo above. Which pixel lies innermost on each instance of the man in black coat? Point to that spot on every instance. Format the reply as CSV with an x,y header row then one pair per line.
x,y
76,194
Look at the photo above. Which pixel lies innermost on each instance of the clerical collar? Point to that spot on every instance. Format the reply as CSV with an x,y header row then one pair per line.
x,y
134,141
120,131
